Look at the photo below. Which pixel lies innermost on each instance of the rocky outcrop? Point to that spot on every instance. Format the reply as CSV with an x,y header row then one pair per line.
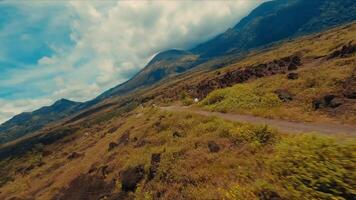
x,y
131,177
86,187
232,77
293,76
327,101
155,160
344,52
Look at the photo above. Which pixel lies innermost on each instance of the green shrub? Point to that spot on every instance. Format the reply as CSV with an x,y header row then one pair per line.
x,y
241,97
254,134
315,167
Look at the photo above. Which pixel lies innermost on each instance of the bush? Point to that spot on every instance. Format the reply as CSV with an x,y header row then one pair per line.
x,y
315,167
255,134
241,97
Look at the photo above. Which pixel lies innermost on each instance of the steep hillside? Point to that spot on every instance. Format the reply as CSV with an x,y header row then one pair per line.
x,y
276,20
28,122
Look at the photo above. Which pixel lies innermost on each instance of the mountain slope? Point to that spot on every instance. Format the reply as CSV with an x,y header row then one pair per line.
x,y
164,64
276,20
270,22
28,122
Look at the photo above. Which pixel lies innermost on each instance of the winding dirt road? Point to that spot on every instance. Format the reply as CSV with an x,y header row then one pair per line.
x,y
282,125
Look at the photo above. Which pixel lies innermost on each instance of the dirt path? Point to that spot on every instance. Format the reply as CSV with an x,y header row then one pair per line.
x,y
285,126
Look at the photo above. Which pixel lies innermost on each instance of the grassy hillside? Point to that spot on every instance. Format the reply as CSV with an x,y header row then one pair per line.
x,y
271,84
182,156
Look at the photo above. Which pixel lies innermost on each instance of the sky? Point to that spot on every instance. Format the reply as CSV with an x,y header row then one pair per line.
x,y
78,49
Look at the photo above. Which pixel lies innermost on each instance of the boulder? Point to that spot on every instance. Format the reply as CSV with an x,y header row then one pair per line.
x,y
293,76
350,87
74,155
124,139
284,95
213,147
345,51
267,194
131,177
86,187
327,101
177,134
155,160
112,145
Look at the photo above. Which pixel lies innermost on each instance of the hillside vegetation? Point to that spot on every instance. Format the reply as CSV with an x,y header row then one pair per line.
x,y
150,154
319,85
129,148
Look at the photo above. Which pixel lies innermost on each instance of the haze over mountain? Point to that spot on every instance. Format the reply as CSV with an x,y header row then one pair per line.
x,y
270,22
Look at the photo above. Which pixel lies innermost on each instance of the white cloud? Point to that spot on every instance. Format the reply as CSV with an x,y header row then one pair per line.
x,y
113,40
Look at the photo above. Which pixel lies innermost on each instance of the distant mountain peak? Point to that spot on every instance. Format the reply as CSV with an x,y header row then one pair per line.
x,y
169,55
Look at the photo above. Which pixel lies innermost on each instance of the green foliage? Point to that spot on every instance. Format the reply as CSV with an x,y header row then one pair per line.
x,y
254,134
315,167
186,99
240,97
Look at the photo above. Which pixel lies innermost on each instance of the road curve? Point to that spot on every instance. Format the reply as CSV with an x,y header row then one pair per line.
x,y
282,125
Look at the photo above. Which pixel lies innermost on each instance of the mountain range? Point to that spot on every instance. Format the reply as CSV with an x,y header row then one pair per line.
x,y
270,22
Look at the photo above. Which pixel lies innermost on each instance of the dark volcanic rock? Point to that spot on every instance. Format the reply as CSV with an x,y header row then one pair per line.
x,y
74,155
267,194
345,51
155,160
112,145
124,139
350,87
86,187
131,177
293,76
284,95
326,101
213,147
239,75
177,134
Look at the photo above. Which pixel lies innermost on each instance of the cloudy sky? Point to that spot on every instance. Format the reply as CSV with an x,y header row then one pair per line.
x,y
76,50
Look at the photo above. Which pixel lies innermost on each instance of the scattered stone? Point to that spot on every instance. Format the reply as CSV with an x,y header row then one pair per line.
x,y
74,155
350,87
177,134
316,104
267,194
293,76
131,177
213,147
327,101
124,139
292,66
112,145
155,160
86,187
113,129
121,196
46,153
284,95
